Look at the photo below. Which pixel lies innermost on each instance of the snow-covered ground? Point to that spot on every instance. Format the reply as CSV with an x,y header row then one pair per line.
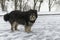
x,y
46,27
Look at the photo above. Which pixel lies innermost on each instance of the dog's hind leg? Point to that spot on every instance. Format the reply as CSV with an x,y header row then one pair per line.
x,y
16,26
13,26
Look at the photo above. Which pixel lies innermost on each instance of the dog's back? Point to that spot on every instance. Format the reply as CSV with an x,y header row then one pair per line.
x,y
19,16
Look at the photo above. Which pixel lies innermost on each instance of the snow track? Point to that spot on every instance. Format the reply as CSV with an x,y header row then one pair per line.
x,y
45,28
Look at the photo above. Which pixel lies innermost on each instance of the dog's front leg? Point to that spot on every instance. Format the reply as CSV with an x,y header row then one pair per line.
x,y
27,29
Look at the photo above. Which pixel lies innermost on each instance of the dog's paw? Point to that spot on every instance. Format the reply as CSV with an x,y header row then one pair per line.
x,y
17,30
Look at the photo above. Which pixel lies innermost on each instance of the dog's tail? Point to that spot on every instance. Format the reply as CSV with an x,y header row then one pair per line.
x,y
6,17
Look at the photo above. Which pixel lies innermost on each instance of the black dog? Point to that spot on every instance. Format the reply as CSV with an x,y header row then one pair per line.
x,y
18,17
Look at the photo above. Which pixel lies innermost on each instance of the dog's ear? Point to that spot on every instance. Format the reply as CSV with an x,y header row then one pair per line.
x,y
36,11
32,11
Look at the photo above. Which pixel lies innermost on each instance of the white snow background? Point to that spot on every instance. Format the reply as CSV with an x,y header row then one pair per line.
x,y
46,27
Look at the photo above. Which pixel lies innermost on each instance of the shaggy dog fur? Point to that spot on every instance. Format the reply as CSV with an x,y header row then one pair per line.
x,y
26,18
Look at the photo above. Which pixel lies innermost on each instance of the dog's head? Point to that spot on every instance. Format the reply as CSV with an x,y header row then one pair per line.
x,y
33,15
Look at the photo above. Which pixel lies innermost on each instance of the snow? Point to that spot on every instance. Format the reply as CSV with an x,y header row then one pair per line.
x,y
2,12
46,27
